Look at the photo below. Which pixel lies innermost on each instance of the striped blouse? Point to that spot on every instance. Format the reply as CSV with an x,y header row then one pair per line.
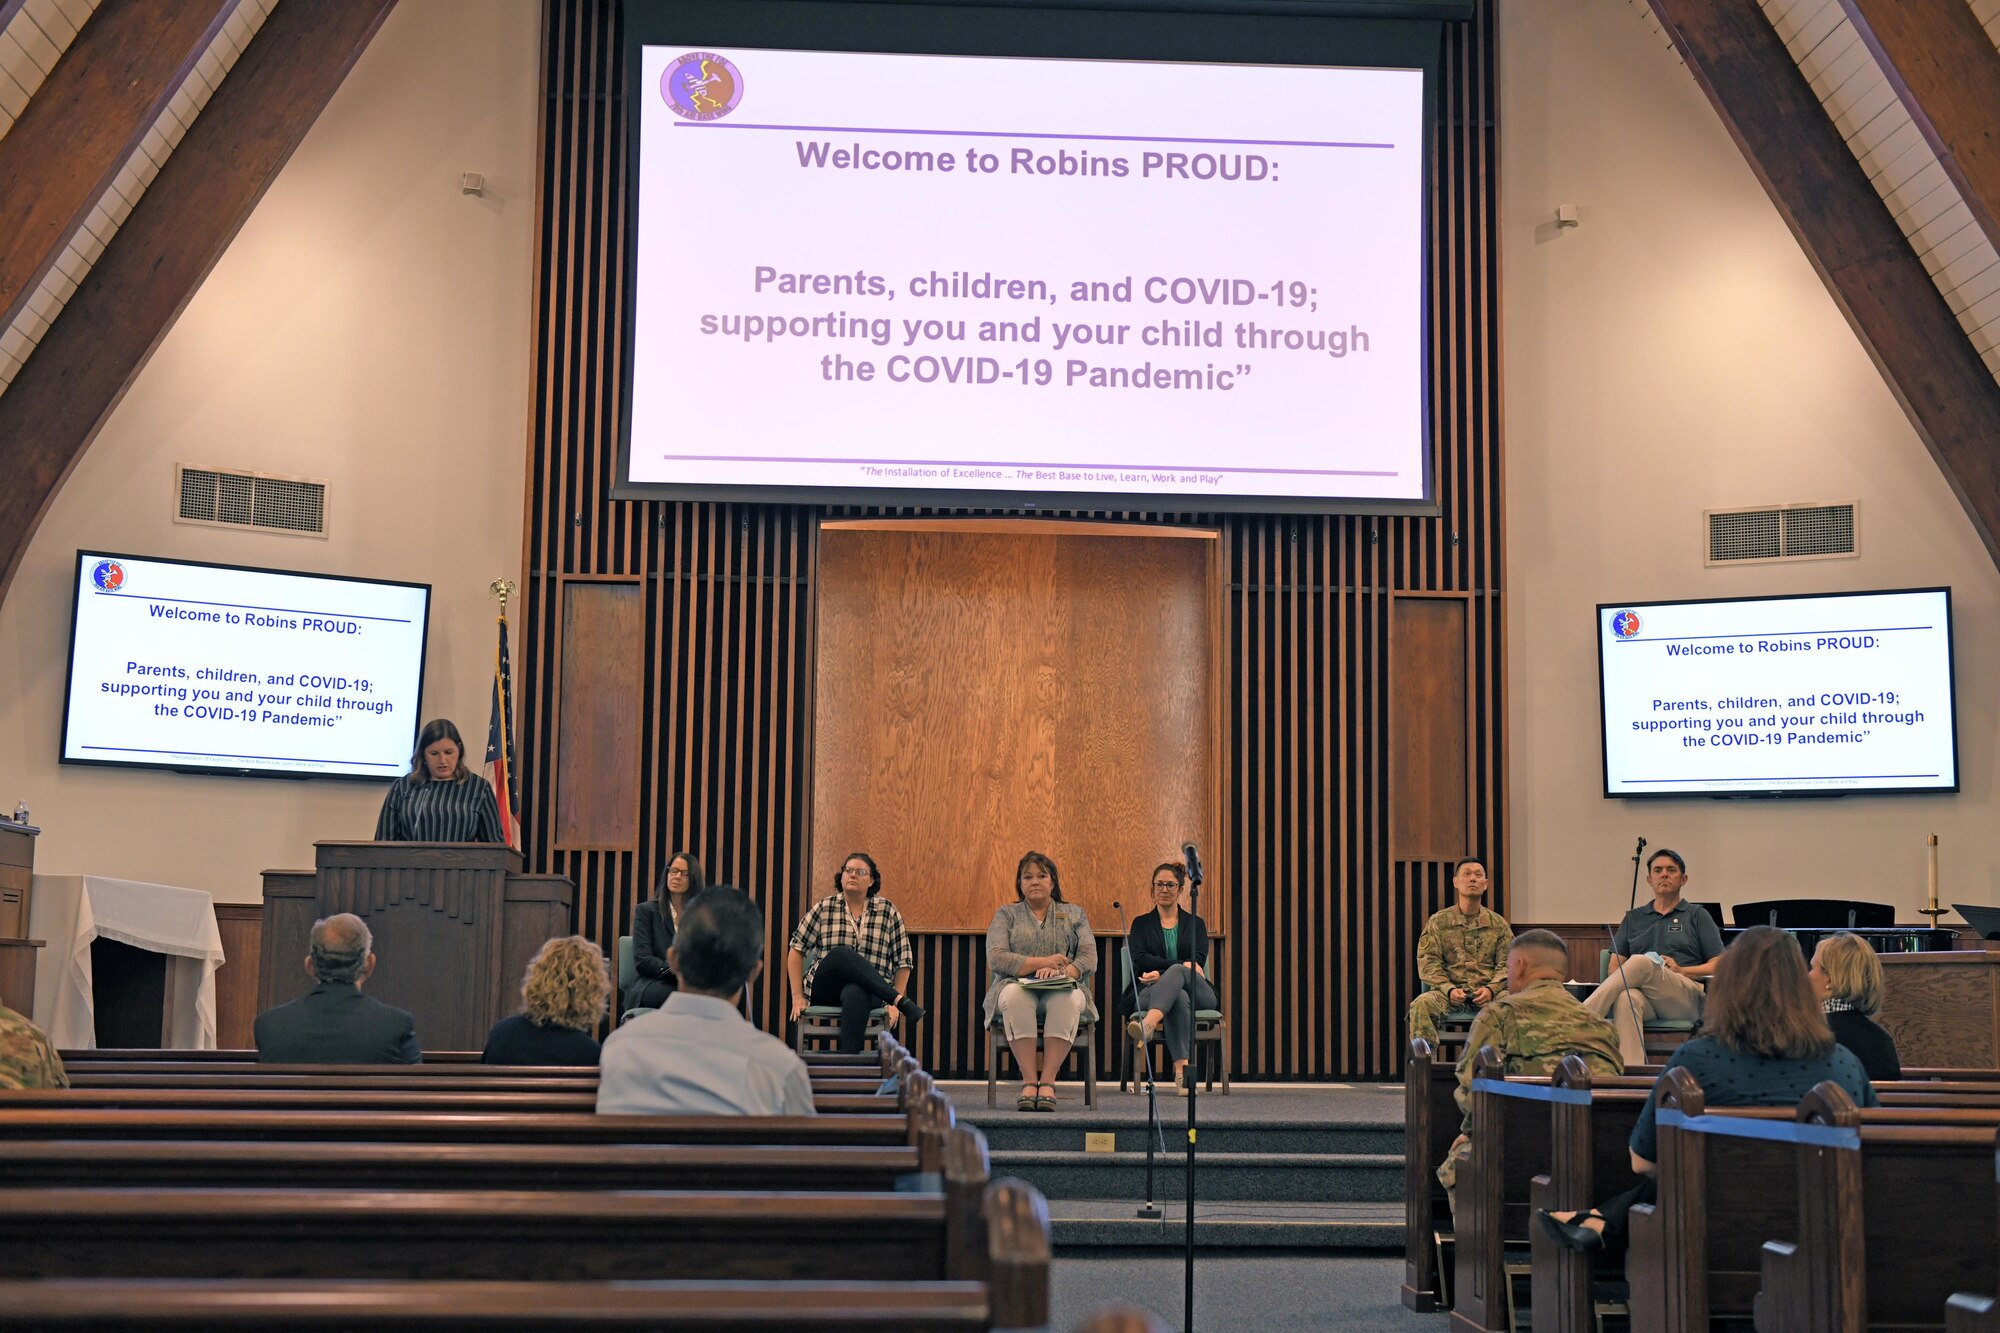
x,y
463,811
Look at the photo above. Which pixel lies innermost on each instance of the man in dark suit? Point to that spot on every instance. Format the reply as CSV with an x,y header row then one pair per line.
x,y
334,1023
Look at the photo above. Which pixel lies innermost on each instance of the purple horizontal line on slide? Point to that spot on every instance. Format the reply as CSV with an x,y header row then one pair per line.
x,y
981,462
1010,134
243,606
1881,629
1797,777
276,758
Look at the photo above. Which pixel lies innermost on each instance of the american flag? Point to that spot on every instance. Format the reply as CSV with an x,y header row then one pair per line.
x,y
500,744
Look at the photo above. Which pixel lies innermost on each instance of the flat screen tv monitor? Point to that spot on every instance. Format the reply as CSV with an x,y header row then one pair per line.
x,y
1020,280
222,668
1816,695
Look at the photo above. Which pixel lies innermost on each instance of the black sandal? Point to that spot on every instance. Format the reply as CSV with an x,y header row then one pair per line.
x,y
1573,1234
1028,1101
1047,1103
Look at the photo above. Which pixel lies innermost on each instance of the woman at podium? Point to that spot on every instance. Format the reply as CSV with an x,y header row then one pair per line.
x,y
439,799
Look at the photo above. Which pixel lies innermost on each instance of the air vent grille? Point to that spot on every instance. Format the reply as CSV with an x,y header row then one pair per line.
x,y
251,500
1781,532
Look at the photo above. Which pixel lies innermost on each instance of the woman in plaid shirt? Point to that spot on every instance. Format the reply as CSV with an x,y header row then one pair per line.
x,y
851,950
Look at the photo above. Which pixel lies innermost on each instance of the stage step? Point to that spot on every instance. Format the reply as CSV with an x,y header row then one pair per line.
x,y
1318,1167
1231,1226
1221,1176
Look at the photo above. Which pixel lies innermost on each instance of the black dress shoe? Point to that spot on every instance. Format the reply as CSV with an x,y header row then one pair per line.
x,y
910,1009
1572,1235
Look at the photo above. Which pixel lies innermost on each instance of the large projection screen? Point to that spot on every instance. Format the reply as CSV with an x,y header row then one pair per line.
x,y
1175,286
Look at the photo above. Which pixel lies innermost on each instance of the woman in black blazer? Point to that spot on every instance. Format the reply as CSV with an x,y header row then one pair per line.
x,y
1169,952
653,930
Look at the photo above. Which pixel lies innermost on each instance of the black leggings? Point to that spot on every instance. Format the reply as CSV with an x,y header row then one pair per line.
x,y
847,979
1616,1212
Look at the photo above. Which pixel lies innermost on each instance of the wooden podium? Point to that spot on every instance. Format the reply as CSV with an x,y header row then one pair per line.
x,y
455,924
17,886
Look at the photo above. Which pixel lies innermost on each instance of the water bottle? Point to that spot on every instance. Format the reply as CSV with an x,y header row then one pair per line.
x,y
20,812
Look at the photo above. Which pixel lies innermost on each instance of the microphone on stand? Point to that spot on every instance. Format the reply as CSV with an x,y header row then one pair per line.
x,y
1150,1209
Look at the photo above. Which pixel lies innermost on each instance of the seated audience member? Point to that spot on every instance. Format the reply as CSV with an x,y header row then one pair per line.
x,y
28,1059
1660,955
696,1054
1462,954
850,949
334,1023
653,925
565,991
1533,1026
1169,950
1039,939
1764,1042
1847,978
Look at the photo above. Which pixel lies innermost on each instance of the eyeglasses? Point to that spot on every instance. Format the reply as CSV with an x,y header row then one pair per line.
x,y
1166,884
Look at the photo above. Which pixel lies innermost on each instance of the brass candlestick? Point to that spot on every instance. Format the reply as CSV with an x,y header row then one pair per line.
x,y
1931,863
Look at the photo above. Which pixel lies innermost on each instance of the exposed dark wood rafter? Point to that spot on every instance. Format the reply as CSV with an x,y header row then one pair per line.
x,y
1946,72
1850,238
175,235
82,124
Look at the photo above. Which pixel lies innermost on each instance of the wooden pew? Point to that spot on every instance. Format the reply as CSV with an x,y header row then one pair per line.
x,y
1590,1159
432,1059
310,1099
1727,1186
1873,1249
1509,1141
332,1239
140,1305
1430,1123
48,1163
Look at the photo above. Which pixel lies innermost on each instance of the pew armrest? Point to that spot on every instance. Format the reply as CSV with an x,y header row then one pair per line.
x,y
1017,1254
1646,1269
1778,1300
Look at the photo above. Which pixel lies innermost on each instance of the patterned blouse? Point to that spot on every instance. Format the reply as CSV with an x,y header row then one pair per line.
x,y
439,812
1015,936
880,938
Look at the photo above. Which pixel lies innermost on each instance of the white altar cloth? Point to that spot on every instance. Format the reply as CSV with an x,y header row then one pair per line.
x,y
69,911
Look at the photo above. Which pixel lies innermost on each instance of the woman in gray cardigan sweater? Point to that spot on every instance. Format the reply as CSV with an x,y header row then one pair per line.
x,y
1040,938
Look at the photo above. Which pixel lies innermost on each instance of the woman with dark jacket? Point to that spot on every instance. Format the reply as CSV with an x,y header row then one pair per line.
x,y
1169,950
653,930
1847,977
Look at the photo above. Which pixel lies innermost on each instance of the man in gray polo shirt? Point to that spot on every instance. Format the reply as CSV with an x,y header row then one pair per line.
x,y
1659,958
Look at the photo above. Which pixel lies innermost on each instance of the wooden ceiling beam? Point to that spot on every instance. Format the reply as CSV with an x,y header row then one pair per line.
x,y
174,237
1946,71
1852,241
83,123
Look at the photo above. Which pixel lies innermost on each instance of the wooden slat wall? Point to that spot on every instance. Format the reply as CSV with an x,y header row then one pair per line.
x,y
1322,920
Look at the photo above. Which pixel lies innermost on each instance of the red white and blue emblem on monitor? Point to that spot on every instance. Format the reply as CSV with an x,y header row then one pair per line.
x,y
109,576
1625,624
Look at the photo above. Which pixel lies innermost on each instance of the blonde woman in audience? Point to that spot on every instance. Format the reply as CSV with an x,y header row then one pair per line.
x,y
563,995
1847,977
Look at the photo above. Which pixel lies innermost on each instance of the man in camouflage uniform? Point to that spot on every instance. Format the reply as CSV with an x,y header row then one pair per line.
x,y
1462,954
1533,1026
27,1060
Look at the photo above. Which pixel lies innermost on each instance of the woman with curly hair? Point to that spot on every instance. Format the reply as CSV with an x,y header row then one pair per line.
x,y
563,995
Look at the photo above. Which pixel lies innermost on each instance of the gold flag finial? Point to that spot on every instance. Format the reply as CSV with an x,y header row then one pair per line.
x,y
503,589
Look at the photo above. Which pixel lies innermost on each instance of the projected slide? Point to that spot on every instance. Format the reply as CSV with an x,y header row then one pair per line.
x,y
1845,693
209,666
957,273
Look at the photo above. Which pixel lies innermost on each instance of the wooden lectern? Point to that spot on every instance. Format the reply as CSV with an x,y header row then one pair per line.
x,y
455,924
17,886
